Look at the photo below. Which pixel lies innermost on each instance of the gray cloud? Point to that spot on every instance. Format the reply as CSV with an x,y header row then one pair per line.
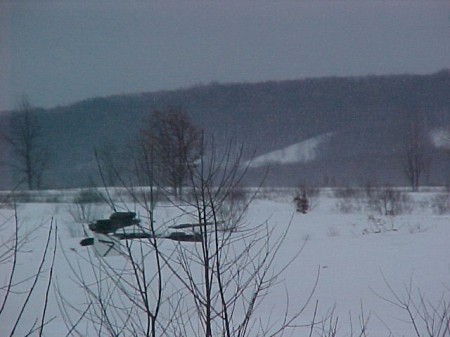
x,y
58,52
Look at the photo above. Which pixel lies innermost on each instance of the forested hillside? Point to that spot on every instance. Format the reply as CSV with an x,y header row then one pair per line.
x,y
369,118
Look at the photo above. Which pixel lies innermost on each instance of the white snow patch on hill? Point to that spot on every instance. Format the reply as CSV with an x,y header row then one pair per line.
x,y
441,138
302,152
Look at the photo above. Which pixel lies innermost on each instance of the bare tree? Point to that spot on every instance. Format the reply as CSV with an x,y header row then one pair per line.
x,y
416,158
386,200
19,288
123,298
427,319
229,272
209,287
174,143
30,155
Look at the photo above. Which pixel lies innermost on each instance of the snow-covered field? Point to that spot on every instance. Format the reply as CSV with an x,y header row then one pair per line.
x,y
363,259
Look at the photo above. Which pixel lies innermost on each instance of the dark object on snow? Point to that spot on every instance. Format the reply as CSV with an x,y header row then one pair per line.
x,y
119,220
302,203
176,236
192,225
87,242
116,221
186,237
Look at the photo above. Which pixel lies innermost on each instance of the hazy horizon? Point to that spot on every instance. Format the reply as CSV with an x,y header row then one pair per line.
x,y
59,52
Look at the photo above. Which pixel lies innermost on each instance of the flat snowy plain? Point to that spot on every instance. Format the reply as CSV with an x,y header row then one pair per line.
x,y
360,255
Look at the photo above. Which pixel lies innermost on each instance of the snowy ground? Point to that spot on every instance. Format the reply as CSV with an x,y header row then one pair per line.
x,y
359,255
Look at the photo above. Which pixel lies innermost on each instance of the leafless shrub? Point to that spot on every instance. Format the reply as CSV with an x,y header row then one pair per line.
x,y
329,325
349,199
380,225
369,188
121,298
6,205
236,269
306,198
427,318
143,194
440,203
21,288
88,196
447,187
8,199
212,287
234,205
348,205
87,206
384,200
389,201
268,193
21,197
347,193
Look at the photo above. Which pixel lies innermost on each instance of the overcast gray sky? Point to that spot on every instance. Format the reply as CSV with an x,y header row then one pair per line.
x,y
58,52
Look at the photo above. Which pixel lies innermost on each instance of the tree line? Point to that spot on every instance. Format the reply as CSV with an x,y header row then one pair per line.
x,y
172,141
370,116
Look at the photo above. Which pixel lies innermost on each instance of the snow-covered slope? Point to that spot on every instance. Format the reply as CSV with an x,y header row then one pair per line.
x,y
302,152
